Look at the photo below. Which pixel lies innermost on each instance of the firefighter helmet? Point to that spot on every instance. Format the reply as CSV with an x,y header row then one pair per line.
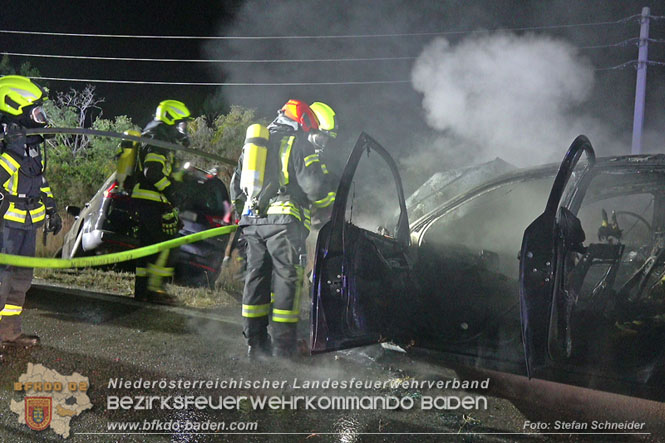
x,y
171,112
326,117
300,112
21,97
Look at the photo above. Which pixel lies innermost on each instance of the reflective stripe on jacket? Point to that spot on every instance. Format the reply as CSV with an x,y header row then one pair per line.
x,y
24,182
159,162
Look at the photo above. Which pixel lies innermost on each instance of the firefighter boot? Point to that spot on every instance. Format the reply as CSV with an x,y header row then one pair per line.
x,y
161,297
285,343
157,273
259,348
21,341
141,288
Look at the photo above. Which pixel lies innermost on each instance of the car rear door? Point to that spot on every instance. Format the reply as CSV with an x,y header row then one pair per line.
x,y
361,279
541,258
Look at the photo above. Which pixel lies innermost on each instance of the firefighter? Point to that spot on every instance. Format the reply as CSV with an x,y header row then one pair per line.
x,y
278,180
29,197
154,197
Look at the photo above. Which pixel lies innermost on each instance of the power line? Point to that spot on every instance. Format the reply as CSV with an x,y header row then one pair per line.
x,y
142,82
624,43
631,63
321,60
343,36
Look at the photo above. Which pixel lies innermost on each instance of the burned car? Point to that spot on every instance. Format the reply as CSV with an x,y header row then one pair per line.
x,y
108,223
573,294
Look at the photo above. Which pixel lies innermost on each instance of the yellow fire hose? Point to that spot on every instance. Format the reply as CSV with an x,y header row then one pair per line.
x,y
107,259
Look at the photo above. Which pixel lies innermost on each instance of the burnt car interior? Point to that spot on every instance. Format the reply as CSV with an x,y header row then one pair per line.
x,y
582,301
610,316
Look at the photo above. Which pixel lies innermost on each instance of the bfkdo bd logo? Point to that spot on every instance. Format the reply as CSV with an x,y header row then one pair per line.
x,y
38,412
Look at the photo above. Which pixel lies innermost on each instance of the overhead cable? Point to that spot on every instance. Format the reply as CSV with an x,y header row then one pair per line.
x,y
628,42
343,36
320,60
631,63
145,82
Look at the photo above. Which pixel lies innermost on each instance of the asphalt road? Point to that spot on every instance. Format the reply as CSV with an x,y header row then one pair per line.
x,y
107,337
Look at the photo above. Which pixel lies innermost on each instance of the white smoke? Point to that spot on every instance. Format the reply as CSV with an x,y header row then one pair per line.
x,y
515,97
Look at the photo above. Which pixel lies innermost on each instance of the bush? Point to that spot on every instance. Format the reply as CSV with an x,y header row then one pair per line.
x,y
224,137
76,176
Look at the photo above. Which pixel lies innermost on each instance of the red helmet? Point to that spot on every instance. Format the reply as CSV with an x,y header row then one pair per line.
x,y
300,112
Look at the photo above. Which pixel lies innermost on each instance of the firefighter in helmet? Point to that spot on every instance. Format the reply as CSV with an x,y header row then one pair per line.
x,y
278,180
30,200
155,195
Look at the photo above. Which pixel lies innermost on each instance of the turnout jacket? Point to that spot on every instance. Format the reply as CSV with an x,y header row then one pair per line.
x,y
155,166
24,185
303,181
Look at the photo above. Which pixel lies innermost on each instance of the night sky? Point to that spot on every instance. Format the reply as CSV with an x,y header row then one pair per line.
x,y
392,113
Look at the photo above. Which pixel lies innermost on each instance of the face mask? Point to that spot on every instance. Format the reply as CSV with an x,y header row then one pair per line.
x,y
38,115
181,127
33,118
319,139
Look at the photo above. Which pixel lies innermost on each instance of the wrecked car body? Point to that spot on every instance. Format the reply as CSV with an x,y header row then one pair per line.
x,y
108,223
579,297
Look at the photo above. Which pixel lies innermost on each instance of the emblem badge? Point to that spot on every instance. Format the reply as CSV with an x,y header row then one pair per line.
x,y
38,412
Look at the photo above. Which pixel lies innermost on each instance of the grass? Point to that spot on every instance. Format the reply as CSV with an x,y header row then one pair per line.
x,y
226,290
122,283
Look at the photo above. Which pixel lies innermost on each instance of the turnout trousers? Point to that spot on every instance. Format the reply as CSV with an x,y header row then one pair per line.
x,y
153,270
273,284
14,281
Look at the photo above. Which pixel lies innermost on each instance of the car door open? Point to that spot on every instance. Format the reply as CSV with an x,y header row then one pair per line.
x,y
541,257
361,279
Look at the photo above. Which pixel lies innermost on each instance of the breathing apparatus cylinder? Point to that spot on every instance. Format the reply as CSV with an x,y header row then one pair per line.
x,y
254,154
126,159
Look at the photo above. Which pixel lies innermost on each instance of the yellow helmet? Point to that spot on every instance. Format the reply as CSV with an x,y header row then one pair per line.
x,y
171,111
326,117
19,94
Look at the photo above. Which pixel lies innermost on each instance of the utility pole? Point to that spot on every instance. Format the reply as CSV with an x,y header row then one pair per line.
x,y
641,84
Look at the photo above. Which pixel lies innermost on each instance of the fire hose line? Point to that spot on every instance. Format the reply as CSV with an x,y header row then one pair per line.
x,y
107,259
147,140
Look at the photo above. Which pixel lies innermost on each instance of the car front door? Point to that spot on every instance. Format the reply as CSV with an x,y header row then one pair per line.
x,y
542,298
361,279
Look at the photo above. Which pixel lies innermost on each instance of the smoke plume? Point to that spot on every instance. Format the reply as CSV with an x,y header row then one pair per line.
x,y
516,97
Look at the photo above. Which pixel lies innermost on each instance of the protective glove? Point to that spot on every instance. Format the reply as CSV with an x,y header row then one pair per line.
x,y
170,222
53,221
172,195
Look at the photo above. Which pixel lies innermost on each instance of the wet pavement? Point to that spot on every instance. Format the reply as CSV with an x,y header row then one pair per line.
x,y
108,338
